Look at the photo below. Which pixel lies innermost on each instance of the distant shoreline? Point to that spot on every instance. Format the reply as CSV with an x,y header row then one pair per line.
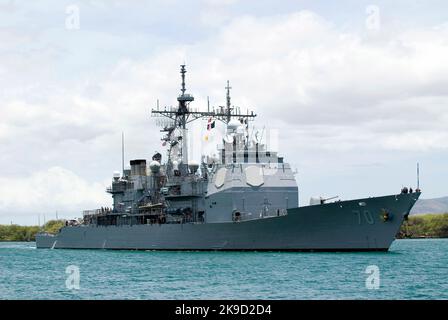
x,y
16,233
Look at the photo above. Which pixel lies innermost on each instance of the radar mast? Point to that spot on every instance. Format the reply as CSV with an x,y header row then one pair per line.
x,y
179,117
228,105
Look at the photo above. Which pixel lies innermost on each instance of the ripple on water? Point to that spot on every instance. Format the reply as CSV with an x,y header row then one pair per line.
x,y
413,269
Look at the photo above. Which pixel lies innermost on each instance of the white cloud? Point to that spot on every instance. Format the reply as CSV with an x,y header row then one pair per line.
x,y
302,71
220,2
297,62
44,192
335,94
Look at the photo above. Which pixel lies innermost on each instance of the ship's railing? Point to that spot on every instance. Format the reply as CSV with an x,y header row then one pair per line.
x,y
92,212
275,213
243,216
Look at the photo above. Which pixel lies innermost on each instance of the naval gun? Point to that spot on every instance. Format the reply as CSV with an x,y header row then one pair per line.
x,y
320,200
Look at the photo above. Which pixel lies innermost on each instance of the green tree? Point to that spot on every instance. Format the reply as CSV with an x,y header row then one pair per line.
x,y
28,233
425,226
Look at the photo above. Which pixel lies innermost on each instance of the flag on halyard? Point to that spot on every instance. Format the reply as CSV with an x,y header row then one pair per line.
x,y
210,124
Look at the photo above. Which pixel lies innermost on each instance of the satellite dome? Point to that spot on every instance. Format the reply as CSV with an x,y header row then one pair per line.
x,y
194,166
233,124
154,166
240,129
228,138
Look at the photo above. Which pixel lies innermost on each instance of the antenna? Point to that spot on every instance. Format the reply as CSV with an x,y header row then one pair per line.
x,y
229,110
418,176
122,152
228,94
182,72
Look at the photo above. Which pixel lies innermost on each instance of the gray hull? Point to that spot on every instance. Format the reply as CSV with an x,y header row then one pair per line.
x,y
356,225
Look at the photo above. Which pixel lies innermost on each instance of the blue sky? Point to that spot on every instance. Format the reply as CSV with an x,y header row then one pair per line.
x,y
356,108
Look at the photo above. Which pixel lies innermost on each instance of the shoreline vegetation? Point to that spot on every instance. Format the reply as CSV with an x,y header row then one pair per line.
x,y
417,227
18,233
424,226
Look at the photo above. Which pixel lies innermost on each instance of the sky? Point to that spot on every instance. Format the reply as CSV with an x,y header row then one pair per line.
x,y
356,91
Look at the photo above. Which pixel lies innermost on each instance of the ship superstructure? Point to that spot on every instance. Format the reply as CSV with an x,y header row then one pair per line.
x,y
245,181
245,198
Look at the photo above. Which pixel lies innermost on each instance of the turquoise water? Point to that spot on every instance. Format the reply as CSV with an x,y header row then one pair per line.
x,y
413,269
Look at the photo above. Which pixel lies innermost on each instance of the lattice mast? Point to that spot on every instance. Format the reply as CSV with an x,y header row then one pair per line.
x,y
180,117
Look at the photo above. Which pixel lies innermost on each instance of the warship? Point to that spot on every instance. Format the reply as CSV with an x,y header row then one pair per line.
x,y
245,197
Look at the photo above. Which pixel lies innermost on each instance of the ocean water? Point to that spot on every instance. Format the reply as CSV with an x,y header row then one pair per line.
x,y
413,269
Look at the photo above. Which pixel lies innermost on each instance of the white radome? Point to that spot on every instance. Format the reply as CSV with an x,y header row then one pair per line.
x,y
228,138
241,129
194,166
154,166
233,124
